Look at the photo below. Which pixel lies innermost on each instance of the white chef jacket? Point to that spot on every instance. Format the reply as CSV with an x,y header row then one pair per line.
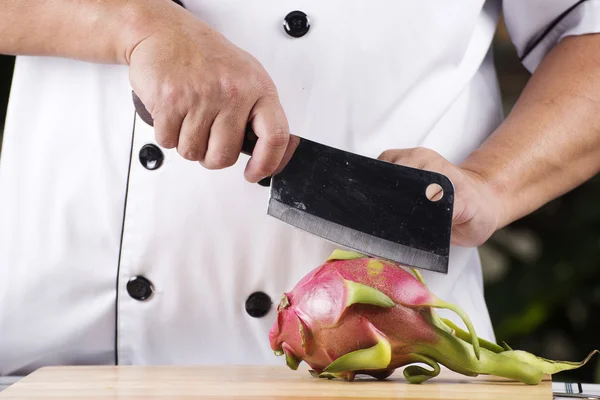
x,y
81,215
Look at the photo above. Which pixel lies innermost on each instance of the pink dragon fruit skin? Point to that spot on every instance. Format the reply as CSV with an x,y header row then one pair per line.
x,y
360,315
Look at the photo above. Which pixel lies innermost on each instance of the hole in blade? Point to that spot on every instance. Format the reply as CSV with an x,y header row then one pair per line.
x,y
434,192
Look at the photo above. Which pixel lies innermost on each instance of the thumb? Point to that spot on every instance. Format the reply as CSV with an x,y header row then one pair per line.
x,y
271,126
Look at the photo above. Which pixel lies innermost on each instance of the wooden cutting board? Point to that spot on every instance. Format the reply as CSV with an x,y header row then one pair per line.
x,y
253,383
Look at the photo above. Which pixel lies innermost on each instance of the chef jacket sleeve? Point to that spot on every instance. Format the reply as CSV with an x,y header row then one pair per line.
x,y
536,26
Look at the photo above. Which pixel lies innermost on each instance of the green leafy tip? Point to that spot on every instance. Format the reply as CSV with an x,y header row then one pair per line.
x,y
547,366
306,336
278,353
463,315
357,293
466,336
292,361
439,322
418,276
302,336
376,357
342,375
417,374
505,346
345,255
284,302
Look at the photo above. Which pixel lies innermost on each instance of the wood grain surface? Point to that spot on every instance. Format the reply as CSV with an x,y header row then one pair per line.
x,y
253,383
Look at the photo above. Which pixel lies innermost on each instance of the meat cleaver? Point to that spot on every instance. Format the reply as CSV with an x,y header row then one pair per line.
x,y
370,206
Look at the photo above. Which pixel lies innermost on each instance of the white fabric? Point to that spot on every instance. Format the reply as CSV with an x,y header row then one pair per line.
x,y
369,76
527,21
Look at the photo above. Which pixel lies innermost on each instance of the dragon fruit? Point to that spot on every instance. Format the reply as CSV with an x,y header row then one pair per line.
x,y
362,315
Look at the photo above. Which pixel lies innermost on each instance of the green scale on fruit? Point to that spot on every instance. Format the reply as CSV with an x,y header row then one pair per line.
x,y
356,314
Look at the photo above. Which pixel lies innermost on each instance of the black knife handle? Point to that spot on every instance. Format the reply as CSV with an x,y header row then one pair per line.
x,y
248,145
250,140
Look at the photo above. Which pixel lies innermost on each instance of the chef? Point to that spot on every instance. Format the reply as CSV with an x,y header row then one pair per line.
x,y
127,243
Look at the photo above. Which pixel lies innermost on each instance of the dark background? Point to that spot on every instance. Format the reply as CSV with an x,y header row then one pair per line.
x,y
6,69
542,273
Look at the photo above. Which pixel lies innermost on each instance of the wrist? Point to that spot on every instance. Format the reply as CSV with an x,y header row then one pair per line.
x,y
141,20
493,187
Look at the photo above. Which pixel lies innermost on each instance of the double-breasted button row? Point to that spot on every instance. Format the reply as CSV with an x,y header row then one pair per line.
x,y
258,304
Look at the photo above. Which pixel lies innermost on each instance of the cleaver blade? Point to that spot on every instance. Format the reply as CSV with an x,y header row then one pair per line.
x,y
370,206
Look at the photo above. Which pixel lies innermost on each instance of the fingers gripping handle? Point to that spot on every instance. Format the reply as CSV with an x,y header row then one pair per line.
x,y
250,137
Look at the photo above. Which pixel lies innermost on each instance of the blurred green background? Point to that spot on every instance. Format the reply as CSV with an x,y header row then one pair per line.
x,y
542,273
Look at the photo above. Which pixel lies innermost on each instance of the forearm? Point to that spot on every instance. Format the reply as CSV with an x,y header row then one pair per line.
x,y
103,31
550,142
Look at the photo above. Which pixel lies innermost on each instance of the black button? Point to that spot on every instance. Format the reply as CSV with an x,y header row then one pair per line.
x,y
179,2
296,24
258,304
139,288
151,157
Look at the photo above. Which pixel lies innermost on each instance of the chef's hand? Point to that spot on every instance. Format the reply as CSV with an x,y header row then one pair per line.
x,y
547,145
476,206
202,90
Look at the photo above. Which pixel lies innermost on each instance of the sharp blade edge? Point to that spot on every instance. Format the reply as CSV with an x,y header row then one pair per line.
x,y
356,240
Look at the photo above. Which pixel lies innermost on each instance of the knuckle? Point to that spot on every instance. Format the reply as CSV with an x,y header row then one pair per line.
x,y
173,100
207,89
220,159
263,83
231,89
278,138
170,93
188,153
268,90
